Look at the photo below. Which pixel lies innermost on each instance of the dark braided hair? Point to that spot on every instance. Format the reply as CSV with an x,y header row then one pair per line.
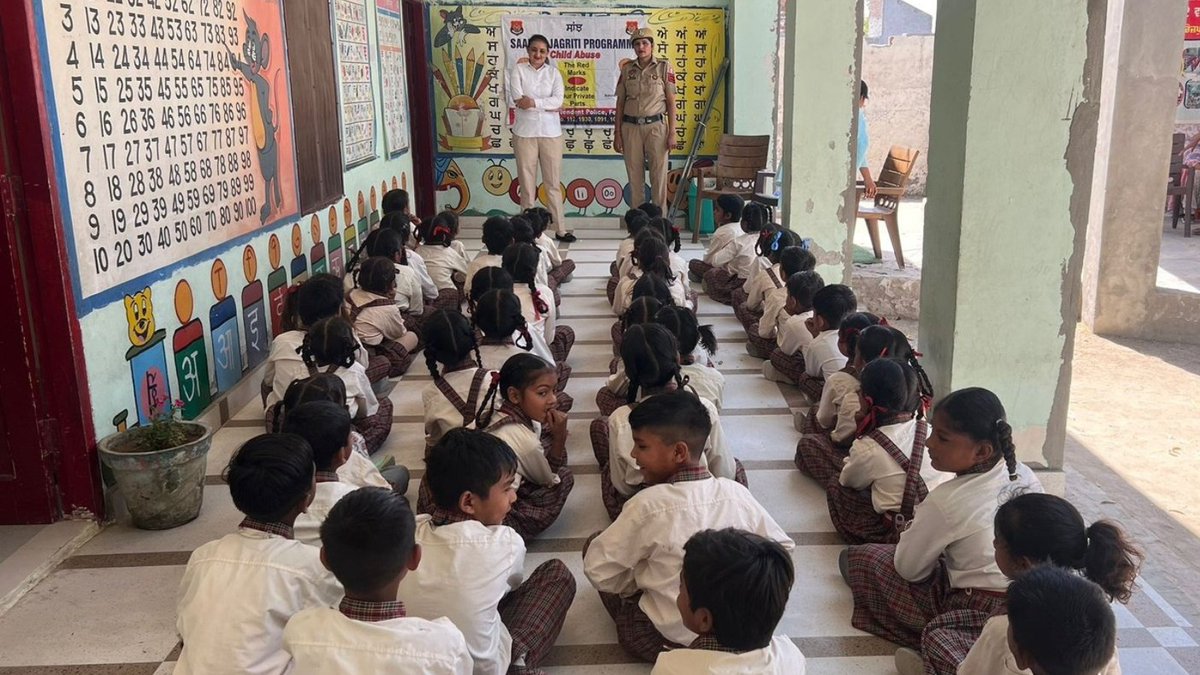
x,y
497,234
377,275
755,217
394,200
319,387
668,231
653,258
686,328
651,209
402,226
773,241
653,286
498,315
796,259
892,387
488,279
518,372
651,357
522,230
319,298
521,261
884,340
632,215
850,334
438,230
641,310
539,218
330,342
449,340
978,413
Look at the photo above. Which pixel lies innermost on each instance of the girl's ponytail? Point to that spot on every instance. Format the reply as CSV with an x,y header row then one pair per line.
x,y
708,338
538,302
1004,443
1111,560
483,416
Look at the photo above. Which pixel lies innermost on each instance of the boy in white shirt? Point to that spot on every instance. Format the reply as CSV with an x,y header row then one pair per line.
x,y
473,566
239,591
326,427
792,334
761,327
822,357
635,562
733,590
727,214
367,542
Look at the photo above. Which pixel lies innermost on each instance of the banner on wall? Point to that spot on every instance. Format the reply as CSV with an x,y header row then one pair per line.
x,y
1187,109
471,45
172,130
391,75
354,80
588,51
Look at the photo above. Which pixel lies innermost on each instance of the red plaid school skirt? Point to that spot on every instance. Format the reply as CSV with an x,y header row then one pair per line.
x,y
608,400
564,270
560,346
720,284
947,639
810,386
448,299
612,365
818,458
534,613
617,335
854,516
610,289
738,298
375,429
613,501
553,283
399,358
760,347
378,366
635,631
746,315
790,366
887,605
698,268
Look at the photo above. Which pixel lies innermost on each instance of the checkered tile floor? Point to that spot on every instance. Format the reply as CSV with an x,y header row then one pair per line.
x,y
110,608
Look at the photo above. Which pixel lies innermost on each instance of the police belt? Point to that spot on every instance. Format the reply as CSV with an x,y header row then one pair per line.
x,y
642,120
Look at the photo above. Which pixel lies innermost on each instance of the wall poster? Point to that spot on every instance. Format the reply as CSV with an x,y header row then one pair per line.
x,y
354,80
392,76
1187,109
172,129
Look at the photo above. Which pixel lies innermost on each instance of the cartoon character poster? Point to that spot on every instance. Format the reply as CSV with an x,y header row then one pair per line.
x,y
1187,107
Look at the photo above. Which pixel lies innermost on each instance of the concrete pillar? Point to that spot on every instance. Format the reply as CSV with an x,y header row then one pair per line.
x,y
1011,127
752,70
1141,81
824,50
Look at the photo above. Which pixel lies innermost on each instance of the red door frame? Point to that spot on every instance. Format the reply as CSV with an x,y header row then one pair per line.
x,y
47,409
420,110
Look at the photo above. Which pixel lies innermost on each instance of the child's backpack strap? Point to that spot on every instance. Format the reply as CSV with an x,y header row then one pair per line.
x,y
465,408
774,278
355,310
507,419
915,490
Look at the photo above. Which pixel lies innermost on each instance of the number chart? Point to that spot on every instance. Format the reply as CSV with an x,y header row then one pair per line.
x,y
174,128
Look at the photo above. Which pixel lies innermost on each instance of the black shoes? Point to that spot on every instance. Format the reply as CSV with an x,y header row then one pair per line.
x,y
567,238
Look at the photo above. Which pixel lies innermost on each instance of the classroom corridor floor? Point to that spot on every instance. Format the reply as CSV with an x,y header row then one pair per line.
x,y
110,607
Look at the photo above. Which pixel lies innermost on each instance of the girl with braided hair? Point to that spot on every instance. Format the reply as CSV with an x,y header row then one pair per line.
x,y
377,319
651,258
458,387
447,263
696,344
768,274
504,334
521,261
330,347
736,262
613,394
945,559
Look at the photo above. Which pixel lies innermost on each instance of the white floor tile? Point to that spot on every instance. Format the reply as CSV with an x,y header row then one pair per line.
x,y
218,517
761,437
1148,661
752,391
225,442
851,665
796,502
820,604
583,515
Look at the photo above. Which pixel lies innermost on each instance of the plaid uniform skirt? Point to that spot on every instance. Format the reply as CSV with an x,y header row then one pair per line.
x,y
818,458
790,366
378,366
720,285
738,297
854,516
554,290
746,315
399,358
534,613
564,270
698,268
608,400
610,289
807,422
887,605
269,418
758,346
448,299
613,501
810,386
947,639
375,429
560,346
635,631
612,367
415,323
617,336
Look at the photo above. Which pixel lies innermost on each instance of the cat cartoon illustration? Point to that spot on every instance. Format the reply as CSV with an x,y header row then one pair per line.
x,y
263,125
456,28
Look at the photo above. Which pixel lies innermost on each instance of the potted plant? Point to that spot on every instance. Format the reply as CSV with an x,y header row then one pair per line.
x,y
160,467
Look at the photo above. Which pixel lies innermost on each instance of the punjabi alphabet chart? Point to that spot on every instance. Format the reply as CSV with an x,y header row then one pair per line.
x,y
175,132
391,75
354,78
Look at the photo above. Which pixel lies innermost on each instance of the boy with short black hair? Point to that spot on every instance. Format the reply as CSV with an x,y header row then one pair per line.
x,y
792,334
727,216
326,426
764,332
822,356
497,236
474,565
635,562
367,542
239,591
1059,623
732,592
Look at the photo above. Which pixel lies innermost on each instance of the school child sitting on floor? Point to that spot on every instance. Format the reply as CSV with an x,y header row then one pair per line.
x,y
648,286
748,300
410,287
612,394
739,260
732,593
520,408
473,565
497,236
325,425
652,257
358,469
521,262
887,473
787,360
329,346
368,543
402,225
504,334
377,320
457,390
822,358
447,264
727,216
1060,624
945,561
396,201
239,591
679,270
763,327
634,221
635,562
495,278
1033,531
696,344
651,358
561,267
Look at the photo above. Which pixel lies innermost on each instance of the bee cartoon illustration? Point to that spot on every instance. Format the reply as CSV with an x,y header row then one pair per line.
x,y
263,125
147,356
456,28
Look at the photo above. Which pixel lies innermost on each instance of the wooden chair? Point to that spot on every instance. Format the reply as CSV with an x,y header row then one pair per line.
x,y
1180,185
739,159
890,186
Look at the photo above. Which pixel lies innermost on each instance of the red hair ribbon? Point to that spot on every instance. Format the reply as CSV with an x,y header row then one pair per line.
x,y
883,353
869,420
883,321
495,378
917,354
440,229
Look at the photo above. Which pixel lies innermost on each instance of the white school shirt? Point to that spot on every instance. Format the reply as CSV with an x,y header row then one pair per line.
x,y
838,405
990,654
623,468
746,261
774,313
719,251
624,250
236,595
643,549
708,382
417,262
822,358
410,297
545,86
870,466
440,414
526,443
537,321
550,248
308,524
494,356
484,259
956,519
756,286
373,325
285,365
323,640
443,262
359,470
780,657
679,267
466,569
623,296
360,397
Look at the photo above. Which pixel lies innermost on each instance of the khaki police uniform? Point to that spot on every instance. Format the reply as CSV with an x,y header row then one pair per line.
x,y
644,125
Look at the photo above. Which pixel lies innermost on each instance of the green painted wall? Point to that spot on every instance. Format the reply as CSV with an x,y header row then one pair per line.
x,y
753,40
